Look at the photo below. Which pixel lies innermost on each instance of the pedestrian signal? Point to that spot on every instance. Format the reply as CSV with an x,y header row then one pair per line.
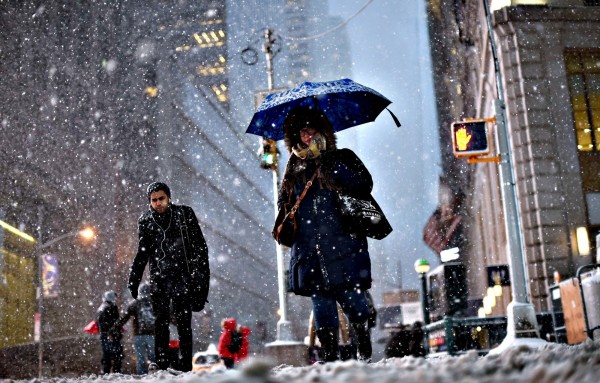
x,y
268,158
470,138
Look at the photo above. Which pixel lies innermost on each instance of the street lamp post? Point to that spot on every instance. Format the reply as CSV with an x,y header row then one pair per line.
x,y
87,234
284,326
284,330
284,350
522,326
422,268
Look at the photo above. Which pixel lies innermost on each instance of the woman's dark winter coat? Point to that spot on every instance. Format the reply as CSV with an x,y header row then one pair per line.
x,y
326,256
174,246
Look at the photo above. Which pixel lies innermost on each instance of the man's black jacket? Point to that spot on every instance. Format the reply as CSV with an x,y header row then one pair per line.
x,y
173,244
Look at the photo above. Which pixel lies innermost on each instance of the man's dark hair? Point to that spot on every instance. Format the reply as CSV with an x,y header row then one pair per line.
x,y
157,186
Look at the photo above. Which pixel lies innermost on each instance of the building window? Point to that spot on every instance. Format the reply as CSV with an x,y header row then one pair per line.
x,y
583,77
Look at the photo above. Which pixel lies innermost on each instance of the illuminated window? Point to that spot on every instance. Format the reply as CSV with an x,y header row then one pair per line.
x,y
213,69
206,39
221,92
583,76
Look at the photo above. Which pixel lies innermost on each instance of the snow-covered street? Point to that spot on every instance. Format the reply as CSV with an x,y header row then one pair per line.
x,y
555,363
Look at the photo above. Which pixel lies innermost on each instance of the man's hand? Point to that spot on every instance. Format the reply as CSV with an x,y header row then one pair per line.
x,y
134,291
114,333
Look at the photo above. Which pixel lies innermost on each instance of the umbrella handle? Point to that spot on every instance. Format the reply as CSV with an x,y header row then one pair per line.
x,y
396,121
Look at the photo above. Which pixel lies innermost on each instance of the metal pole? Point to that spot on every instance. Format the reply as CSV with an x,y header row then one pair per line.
x,y
522,321
40,314
425,304
424,300
516,257
284,329
268,49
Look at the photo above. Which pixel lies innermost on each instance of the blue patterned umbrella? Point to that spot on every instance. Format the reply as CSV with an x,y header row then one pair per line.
x,y
344,102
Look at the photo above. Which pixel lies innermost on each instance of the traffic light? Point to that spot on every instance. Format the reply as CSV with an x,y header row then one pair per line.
x,y
268,156
470,138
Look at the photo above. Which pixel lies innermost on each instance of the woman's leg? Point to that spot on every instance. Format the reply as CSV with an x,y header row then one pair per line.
x,y
356,307
327,325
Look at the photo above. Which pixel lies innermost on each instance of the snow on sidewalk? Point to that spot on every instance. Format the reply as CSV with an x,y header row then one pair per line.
x,y
554,363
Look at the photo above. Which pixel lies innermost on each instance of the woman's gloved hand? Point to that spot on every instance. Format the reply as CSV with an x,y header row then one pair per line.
x,y
318,144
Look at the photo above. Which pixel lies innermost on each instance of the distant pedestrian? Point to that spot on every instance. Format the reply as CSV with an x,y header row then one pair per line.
x,y
110,336
242,355
407,340
171,242
417,340
228,346
144,320
399,344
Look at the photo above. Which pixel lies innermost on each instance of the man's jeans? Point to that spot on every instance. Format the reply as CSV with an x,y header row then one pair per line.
x,y
144,348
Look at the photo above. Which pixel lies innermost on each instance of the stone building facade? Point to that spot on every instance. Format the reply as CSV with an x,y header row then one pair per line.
x,y
550,67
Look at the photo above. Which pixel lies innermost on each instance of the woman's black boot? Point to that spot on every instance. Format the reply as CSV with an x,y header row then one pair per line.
x,y
329,343
363,341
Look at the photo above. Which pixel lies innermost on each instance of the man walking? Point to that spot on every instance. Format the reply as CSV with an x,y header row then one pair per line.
x,y
171,241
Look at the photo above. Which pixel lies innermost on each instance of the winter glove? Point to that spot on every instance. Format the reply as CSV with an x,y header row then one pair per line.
x,y
134,291
314,150
115,333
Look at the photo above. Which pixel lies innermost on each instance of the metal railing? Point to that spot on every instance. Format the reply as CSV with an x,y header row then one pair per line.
x,y
455,336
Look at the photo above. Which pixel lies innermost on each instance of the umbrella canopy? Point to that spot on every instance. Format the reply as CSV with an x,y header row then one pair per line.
x,y
344,102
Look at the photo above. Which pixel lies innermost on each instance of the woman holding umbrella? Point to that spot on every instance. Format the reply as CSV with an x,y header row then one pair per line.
x,y
328,262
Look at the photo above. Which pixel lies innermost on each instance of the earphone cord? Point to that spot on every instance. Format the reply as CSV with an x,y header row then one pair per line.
x,y
164,237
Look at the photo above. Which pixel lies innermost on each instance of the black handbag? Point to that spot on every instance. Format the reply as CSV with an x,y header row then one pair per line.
x,y
286,224
363,216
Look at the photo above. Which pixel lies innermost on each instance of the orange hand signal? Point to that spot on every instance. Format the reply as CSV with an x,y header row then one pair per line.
x,y
462,139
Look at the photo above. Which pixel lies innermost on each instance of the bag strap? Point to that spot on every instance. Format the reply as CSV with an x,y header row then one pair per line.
x,y
183,237
308,185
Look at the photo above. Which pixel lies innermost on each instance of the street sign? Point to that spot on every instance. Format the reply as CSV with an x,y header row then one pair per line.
x,y
259,96
470,138
50,277
449,254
